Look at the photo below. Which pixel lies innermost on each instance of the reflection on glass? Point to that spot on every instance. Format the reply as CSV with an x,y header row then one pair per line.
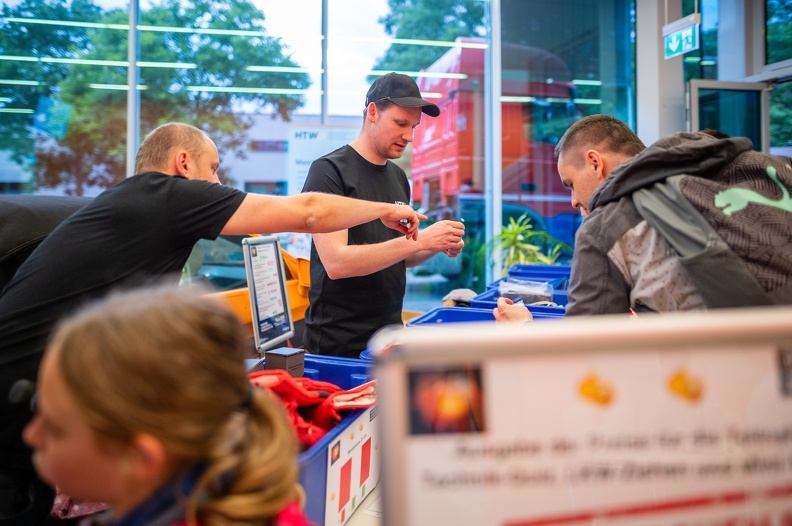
x,y
230,67
538,105
561,61
415,38
216,65
733,112
371,38
702,63
218,264
778,17
49,131
781,118
64,81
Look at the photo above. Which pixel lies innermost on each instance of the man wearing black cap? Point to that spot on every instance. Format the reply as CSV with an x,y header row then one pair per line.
x,y
358,275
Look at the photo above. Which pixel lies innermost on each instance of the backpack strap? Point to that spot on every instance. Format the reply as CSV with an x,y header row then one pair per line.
x,y
722,278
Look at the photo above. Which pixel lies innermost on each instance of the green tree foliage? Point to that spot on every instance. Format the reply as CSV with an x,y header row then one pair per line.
x,y
779,48
779,30
442,20
781,115
94,148
35,41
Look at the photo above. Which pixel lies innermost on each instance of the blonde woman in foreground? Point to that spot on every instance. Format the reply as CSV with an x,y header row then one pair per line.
x,y
144,404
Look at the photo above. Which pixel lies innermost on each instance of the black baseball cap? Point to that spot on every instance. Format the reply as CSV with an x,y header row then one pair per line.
x,y
402,90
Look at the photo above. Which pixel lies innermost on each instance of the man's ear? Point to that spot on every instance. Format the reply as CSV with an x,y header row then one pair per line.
x,y
182,162
371,112
595,161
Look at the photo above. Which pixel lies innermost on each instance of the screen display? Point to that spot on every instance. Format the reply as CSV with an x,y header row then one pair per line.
x,y
269,299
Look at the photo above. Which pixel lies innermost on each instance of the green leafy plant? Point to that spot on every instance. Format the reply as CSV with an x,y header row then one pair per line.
x,y
518,242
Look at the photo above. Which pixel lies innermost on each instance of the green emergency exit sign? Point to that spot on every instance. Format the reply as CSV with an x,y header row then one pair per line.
x,y
681,36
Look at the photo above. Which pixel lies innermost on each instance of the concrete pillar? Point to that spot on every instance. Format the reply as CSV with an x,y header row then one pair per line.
x,y
740,39
659,83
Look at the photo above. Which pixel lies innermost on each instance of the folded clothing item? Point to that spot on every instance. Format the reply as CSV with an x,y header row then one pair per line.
x,y
314,407
459,298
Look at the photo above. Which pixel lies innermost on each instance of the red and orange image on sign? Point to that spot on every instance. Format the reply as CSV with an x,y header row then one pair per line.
x,y
446,401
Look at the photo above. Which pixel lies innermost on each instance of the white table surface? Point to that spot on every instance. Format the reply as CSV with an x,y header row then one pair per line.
x,y
369,513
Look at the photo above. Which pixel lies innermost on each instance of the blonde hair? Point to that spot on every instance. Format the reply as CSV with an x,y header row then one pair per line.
x,y
169,362
158,145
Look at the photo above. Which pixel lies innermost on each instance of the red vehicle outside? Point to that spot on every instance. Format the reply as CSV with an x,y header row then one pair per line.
x,y
538,106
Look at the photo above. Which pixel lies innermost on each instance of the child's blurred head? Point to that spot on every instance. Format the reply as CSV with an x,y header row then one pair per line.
x,y
140,386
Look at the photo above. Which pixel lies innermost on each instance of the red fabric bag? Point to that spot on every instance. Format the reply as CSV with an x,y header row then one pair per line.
x,y
314,407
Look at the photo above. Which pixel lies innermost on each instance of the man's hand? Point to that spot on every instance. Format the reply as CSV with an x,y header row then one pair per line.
x,y
444,236
454,251
404,219
507,311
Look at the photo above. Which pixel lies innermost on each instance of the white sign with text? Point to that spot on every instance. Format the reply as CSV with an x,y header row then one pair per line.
x,y
682,435
308,143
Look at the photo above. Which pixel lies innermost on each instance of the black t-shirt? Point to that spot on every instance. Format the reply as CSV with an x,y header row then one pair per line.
x,y
344,313
137,231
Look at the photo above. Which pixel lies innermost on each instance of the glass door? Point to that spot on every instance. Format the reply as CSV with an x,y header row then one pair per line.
x,y
738,109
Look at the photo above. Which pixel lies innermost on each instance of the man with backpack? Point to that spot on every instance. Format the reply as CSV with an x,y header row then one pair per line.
x,y
693,222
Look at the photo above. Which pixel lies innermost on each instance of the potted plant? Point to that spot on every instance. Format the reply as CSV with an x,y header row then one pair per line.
x,y
518,242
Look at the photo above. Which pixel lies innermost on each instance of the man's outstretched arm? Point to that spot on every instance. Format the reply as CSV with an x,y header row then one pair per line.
x,y
315,212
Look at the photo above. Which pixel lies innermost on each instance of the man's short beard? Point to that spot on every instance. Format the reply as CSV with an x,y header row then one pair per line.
x,y
385,153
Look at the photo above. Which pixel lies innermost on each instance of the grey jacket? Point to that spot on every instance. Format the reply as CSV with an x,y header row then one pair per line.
x,y
621,262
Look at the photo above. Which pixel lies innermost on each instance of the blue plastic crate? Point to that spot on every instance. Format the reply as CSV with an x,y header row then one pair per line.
x,y
451,315
489,298
528,269
558,275
346,373
313,463
561,297
446,315
367,357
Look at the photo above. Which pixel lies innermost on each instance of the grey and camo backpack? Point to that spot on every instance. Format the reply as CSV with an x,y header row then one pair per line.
x,y
732,229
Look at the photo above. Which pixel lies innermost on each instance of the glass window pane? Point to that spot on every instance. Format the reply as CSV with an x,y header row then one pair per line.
x,y
561,61
778,17
231,70
441,45
781,119
733,112
702,63
62,97
356,40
